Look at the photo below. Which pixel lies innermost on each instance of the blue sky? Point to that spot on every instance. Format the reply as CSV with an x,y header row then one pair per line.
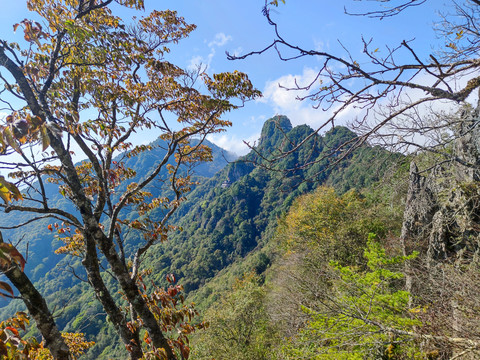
x,y
239,27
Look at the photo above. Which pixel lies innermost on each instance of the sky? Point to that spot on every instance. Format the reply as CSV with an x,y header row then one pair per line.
x,y
239,27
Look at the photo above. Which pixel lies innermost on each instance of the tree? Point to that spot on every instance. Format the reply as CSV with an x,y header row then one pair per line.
x,y
364,315
12,344
367,314
85,81
331,303
321,227
367,82
239,327
35,303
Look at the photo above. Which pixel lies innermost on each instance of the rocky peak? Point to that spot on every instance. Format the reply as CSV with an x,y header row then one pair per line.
x,y
274,131
467,149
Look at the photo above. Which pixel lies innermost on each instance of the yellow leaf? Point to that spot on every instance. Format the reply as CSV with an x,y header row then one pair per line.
x,y
44,137
5,194
9,191
10,139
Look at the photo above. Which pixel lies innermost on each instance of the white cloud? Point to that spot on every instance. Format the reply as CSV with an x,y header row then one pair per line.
x,y
286,102
276,93
195,62
219,40
413,124
200,61
237,51
234,144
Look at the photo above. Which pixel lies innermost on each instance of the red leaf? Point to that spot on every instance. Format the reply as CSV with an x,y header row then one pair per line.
x,y
9,253
172,291
171,278
185,350
13,330
19,259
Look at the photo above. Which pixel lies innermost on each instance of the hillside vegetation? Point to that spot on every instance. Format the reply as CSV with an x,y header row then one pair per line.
x,y
228,223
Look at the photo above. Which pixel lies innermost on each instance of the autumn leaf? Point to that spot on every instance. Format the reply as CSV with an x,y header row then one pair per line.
x,y
13,330
10,139
3,349
44,136
9,191
7,288
9,252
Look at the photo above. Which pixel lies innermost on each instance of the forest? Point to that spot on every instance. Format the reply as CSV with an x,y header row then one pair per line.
x,y
340,241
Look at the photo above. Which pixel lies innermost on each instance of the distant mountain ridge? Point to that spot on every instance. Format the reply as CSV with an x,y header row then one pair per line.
x,y
41,242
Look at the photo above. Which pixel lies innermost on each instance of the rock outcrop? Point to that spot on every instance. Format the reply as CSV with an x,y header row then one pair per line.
x,y
442,222
442,213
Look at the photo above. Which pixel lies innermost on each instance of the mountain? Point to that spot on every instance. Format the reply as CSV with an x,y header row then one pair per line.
x,y
229,217
390,272
236,211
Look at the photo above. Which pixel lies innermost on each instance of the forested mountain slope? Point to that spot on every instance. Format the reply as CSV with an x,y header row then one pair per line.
x,y
231,214
236,211
39,244
390,272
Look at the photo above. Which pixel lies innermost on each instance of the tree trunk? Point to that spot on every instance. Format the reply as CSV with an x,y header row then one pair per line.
x,y
130,289
131,340
38,309
91,261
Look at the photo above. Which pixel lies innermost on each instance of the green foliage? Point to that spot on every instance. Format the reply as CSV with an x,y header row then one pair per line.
x,y
331,226
239,327
223,225
365,315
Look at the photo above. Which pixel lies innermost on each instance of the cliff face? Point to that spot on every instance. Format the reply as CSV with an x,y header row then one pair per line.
x,y
442,222
442,213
